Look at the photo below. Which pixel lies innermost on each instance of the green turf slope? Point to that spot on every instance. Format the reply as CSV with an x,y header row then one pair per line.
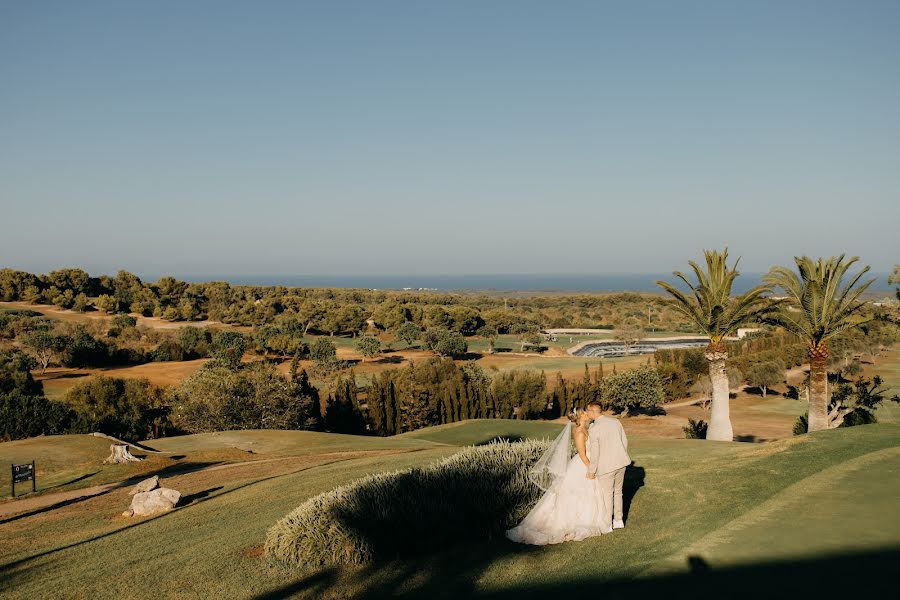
x,y
727,502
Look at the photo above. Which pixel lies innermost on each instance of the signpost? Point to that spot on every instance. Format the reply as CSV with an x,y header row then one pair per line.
x,y
21,474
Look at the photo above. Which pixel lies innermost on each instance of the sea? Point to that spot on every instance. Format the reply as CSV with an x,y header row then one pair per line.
x,y
555,282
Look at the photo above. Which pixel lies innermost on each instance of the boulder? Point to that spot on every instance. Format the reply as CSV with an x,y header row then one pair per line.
x,y
154,501
146,485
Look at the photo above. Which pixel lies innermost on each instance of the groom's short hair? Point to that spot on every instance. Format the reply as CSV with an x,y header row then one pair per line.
x,y
594,403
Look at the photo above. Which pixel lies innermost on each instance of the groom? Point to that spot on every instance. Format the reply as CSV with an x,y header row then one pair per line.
x,y
607,450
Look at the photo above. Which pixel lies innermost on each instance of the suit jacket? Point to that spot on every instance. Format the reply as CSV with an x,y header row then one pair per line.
x,y
607,446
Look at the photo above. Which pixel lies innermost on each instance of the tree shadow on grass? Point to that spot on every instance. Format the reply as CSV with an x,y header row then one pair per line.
x,y
455,576
197,496
389,360
71,481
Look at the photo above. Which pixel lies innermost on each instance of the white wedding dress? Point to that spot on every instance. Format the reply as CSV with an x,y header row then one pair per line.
x,y
572,507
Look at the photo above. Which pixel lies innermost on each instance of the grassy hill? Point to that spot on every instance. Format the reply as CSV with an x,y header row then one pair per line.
x,y
729,504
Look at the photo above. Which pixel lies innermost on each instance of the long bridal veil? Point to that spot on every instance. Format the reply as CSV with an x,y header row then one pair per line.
x,y
548,471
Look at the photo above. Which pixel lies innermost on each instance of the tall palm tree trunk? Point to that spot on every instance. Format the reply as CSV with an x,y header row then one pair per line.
x,y
818,388
720,415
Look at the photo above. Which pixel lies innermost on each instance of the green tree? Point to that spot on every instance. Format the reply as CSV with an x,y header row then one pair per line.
x,y
445,343
822,301
107,303
489,333
307,397
228,348
45,346
13,285
342,414
713,310
368,346
323,352
764,375
128,408
81,303
408,333
194,341
257,397
527,333
465,320
391,315
15,373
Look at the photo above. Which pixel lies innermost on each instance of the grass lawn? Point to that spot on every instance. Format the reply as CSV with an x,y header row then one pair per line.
x,y
728,502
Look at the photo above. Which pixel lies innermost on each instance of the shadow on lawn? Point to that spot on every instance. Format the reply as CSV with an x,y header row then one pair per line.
x,y
450,577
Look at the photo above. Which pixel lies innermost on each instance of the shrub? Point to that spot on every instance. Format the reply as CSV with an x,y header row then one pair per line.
x,y
632,390
801,424
473,495
695,430
123,321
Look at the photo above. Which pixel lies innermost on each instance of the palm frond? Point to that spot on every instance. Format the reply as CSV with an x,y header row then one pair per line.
x,y
825,304
713,309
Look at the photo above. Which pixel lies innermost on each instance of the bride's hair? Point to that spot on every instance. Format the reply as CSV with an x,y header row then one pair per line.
x,y
575,416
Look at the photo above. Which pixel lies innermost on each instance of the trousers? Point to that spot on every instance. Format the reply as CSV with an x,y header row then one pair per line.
x,y
611,489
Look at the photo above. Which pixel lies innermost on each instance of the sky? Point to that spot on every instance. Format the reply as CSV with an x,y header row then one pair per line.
x,y
463,137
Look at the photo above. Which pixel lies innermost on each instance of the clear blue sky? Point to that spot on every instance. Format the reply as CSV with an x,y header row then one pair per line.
x,y
446,137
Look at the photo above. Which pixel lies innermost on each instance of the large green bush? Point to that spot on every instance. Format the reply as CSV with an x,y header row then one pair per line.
x,y
475,494
633,390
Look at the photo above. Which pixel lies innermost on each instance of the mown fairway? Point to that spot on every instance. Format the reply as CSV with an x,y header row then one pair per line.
x,y
728,503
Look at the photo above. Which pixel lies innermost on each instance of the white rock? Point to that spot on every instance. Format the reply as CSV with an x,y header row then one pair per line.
x,y
146,485
155,501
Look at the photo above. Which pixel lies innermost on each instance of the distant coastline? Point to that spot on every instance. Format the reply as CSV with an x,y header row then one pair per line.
x,y
636,282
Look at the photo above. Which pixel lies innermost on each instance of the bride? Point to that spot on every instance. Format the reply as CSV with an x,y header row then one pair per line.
x,y
572,507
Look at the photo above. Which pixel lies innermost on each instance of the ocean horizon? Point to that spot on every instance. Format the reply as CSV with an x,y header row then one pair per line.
x,y
535,282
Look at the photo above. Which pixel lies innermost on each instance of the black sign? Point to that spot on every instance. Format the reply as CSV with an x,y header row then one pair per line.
x,y
22,473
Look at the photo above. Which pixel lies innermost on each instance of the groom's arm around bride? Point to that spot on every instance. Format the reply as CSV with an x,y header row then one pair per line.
x,y
607,450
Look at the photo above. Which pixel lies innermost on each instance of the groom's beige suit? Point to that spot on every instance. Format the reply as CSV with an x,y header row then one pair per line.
x,y
607,451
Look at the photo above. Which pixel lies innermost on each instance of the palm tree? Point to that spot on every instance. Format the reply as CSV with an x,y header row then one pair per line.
x,y
713,310
818,308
